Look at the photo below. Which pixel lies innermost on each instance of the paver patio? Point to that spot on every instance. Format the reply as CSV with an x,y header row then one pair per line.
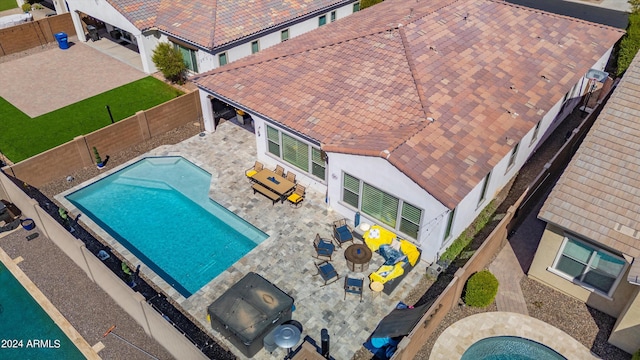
x,y
285,257
51,79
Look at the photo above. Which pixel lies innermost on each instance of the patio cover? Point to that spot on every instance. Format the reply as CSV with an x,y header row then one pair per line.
x,y
399,322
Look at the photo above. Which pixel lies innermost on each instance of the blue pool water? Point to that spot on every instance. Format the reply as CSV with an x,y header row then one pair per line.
x,y
160,210
510,348
26,330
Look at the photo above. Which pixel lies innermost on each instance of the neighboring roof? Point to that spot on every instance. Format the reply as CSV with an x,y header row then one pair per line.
x,y
486,71
141,13
598,195
213,23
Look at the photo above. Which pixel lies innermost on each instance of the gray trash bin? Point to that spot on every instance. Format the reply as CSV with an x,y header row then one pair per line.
x,y
93,33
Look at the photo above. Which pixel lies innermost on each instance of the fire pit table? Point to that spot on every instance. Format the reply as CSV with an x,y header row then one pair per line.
x,y
358,257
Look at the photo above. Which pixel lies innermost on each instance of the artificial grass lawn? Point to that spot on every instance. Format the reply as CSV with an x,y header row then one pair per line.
x,y
22,137
8,4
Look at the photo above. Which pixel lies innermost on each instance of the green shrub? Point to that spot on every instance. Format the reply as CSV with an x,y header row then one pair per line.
x,y
466,237
481,289
636,355
26,7
630,43
96,155
367,3
169,61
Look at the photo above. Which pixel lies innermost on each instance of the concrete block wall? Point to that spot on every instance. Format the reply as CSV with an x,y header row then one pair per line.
x,y
33,34
60,161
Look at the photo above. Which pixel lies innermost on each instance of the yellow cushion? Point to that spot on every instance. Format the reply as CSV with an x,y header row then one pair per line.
x,y
250,173
410,250
377,236
294,198
386,273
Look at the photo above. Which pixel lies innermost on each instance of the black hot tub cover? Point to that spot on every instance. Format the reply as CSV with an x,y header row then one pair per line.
x,y
250,306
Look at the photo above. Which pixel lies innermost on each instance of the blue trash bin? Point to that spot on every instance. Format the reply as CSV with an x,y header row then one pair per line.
x,y
63,40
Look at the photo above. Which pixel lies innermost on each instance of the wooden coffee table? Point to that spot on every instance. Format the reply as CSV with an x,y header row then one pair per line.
x,y
358,257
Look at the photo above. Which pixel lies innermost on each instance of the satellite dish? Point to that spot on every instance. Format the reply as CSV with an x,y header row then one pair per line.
x,y
594,74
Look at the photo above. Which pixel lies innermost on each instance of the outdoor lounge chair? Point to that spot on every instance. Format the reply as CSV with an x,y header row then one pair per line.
x,y
341,232
297,196
324,248
353,286
257,167
328,272
291,177
279,170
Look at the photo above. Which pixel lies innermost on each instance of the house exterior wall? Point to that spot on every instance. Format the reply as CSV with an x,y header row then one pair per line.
x,y
99,9
626,332
397,184
208,60
548,248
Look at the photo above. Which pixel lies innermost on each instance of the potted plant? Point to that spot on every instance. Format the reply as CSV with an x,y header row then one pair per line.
x,y
99,162
26,7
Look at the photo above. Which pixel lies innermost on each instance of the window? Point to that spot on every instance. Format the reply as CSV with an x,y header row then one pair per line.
x,y
410,220
297,153
318,161
255,47
589,265
447,231
356,7
333,16
535,132
322,20
222,59
483,194
351,190
381,206
284,35
189,57
512,158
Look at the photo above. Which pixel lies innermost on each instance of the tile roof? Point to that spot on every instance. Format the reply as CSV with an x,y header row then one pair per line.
x,y
213,23
141,13
598,195
486,71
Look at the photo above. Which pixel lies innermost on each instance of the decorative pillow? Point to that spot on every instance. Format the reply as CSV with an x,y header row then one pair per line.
x,y
391,255
411,251
395,244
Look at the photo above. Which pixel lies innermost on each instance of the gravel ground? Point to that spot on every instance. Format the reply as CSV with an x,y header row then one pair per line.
x,y
85,305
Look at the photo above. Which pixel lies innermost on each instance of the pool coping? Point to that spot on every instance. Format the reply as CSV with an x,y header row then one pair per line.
x,y
458,337
65,326
146,272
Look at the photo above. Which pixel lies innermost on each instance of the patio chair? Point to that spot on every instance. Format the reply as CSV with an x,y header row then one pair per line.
x,y
353,286
297,196
341,232
257,167
291,176
279,170
324,248
328,272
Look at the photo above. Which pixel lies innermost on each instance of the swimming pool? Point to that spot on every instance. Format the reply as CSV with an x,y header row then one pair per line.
x,y
160,210
27,331
510,348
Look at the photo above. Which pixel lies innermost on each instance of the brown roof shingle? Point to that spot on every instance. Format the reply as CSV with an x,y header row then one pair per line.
x,y
598,195
486,71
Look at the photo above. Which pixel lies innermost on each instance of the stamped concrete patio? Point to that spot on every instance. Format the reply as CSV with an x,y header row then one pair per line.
x,y
284,258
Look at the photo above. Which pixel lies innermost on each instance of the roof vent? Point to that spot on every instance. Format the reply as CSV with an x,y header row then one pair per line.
x,y
545,78
385,153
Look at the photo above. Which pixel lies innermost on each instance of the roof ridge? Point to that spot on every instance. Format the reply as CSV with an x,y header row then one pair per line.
x,y
594,24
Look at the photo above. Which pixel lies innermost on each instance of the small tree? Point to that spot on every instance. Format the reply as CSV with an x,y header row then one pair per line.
x,y
481,289
367,3
97,156
630,43
170,62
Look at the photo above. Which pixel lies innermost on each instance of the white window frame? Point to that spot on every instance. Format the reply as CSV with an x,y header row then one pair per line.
x,y
310,148
356,7
513,157
257,43
333,16
282,32
536,130
360,194
579,282
193,54
448,231
320,18
226,58
485,187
